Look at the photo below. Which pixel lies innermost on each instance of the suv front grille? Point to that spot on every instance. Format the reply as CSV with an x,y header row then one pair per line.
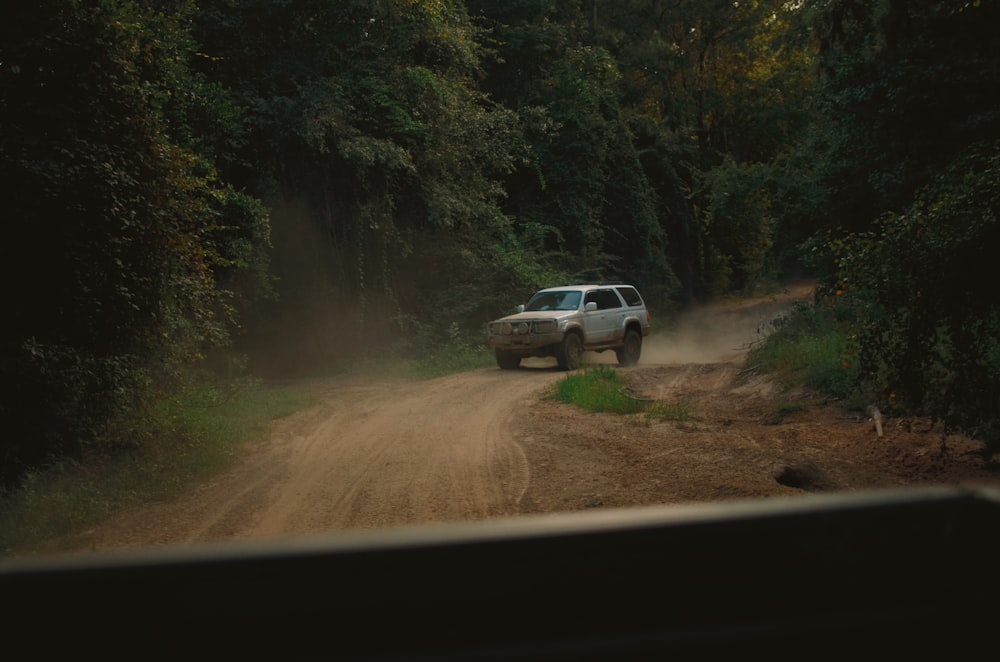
x,y
522,328
546,326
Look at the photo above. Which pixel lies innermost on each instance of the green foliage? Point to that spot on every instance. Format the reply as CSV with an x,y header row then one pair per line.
x,y
601,390
813,345
598,390
582,198
906,87
590,190
912,320
931,313
740,221
459,353
364,115
114,249
241,242
903,154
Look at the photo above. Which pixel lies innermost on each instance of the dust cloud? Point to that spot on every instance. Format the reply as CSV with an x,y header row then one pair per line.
x,y
717,333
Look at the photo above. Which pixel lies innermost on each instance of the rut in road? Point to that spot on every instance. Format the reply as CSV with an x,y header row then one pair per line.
x,y
431,451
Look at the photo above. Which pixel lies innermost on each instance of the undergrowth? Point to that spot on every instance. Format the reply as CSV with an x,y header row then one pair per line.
x,y
811,345
190,437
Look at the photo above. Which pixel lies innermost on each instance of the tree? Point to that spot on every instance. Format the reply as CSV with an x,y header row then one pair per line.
x,y
716,85
370,139
583,198
906,87
926,285
119,233
907,146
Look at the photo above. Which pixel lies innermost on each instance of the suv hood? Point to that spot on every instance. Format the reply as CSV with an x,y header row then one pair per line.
x,y
538,315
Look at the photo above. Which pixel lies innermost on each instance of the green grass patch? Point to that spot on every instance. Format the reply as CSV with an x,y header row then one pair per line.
x,y
600,389
192,437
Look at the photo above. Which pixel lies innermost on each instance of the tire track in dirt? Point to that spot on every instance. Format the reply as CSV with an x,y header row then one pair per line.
x,y
379,455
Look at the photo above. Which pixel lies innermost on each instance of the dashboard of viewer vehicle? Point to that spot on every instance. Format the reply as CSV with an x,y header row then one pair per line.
x,y
907,571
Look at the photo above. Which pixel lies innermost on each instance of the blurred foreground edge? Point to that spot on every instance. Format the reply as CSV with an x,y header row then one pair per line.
x,y
902,572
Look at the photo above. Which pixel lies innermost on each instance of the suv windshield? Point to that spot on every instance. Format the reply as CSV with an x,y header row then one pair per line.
x,y
562,300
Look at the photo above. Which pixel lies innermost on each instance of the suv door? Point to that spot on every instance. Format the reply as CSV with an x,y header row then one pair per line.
x,y
602,324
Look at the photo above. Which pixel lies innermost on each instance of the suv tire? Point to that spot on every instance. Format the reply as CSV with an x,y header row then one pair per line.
x,y
628,354
570,352
506,360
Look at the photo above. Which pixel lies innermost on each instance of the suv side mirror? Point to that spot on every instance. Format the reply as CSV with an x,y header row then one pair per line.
x,y
590,305
520,308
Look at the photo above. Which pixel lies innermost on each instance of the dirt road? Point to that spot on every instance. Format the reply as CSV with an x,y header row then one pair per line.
x,y
371,455
486,444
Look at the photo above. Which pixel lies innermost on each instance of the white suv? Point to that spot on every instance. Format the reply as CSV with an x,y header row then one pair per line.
x,y
566,321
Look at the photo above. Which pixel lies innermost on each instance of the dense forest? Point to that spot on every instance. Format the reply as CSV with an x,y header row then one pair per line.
x,y
220,187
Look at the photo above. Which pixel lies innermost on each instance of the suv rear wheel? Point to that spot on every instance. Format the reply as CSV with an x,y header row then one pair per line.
x,y
628,353
570,352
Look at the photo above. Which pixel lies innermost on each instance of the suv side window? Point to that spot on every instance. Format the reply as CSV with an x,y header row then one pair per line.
x,y
605,299
631,296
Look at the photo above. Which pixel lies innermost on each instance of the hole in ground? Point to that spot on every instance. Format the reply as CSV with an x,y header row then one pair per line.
x,y
807,478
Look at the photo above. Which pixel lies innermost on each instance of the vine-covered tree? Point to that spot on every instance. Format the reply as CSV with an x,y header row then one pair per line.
x,y
370,140
583,199
924,283
905,88
117,232
911,130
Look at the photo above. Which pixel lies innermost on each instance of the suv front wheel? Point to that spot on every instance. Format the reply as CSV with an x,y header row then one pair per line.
x,y
570,352
507,360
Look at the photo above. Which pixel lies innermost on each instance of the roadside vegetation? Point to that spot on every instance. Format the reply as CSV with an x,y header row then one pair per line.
x,y
908,318
189,437
812,347
459,354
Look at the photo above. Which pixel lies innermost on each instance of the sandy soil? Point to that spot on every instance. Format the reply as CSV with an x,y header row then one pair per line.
x,y
488,444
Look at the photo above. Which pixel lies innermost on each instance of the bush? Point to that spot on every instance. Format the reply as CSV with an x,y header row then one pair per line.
x,y
812,345
930,315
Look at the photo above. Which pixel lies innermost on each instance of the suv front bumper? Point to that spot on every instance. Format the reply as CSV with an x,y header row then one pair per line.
x,y
527,341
